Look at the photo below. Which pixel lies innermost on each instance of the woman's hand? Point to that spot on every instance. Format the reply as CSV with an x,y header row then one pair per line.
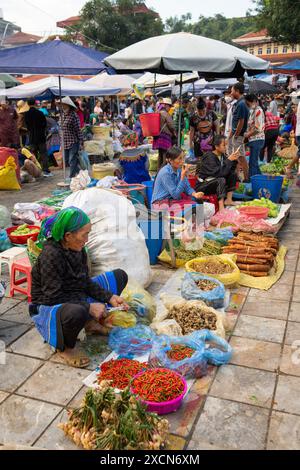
x,y
117,301
184,171
235,155
97,311
198,195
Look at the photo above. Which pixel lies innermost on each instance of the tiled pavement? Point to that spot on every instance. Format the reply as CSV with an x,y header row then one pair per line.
x,y
252,403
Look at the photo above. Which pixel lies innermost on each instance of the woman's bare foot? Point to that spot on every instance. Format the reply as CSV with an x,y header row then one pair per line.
x,y
93,327
74,358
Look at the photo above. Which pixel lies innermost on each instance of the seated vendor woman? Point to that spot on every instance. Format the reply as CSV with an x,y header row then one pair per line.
x,y
216,173
64,297
171,183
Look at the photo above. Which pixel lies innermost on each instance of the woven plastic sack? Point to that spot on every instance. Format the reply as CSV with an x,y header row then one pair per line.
x,y
8,176
4,217
5,242
228,279
221,235
190,291
131,342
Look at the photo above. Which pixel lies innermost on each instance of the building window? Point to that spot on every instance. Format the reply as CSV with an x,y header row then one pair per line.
x,y
259,51
251,50
269,51
294,48
275,50
284,50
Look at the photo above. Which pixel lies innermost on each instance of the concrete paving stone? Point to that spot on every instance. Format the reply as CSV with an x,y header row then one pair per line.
x,y
32,344
230,322
293,333
23,420
262,329
54,438
284,432
236,303
175,443
182,421
290,242
269,309
275,293
3,396
294,314
291,260
18,314
16,370
240,290
76,401
255,387
55,383
7,304
287,394
226,424
154,288
290,360
287,278
297,279
296,294
10,331
257,354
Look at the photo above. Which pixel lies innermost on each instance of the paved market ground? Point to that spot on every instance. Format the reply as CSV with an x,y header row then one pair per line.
x,y
252,403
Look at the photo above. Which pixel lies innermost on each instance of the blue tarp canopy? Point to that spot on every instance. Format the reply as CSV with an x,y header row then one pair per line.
x,y
293,65
52,58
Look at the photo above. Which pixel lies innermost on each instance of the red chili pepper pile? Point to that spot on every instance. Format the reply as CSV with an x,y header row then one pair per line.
x,y
120,371
179,352
158,385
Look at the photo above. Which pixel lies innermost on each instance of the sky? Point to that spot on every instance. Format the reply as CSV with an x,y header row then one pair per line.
x,y
40,16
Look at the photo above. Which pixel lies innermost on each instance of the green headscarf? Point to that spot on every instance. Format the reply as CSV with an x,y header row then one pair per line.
x,y
66,220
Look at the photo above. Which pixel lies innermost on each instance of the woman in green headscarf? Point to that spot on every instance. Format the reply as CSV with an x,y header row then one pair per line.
x,y
64,297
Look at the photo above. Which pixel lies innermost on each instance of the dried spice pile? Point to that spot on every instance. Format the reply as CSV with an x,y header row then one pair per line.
x,y
178,352
212,267
110,421
158,385
120,371
206,285
191,318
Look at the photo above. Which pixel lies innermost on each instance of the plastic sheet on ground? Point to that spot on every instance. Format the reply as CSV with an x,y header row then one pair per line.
x,y
265,283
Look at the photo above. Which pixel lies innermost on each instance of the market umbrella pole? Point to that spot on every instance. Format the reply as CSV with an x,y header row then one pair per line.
x,y
62,146
180,112
154,88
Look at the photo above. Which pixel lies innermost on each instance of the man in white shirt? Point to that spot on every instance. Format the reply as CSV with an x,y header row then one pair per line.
x,y
273,107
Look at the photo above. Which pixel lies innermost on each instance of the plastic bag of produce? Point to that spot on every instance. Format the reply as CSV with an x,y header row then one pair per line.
x,y
131,342
181,354
199,287
4,217
5,242
190,316
221,235
221,267
139,300
8,176
119,318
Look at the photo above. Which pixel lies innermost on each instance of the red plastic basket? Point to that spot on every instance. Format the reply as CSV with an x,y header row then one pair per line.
x,y
22,239
150,123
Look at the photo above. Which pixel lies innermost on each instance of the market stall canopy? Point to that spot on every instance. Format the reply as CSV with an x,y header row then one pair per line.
x,y
7,81
259,87
221,84
270,78
293,66
69,87
151,80
185,52
53,57
210,92
104,80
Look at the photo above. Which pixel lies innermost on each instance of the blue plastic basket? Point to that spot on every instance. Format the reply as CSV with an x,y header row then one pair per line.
x,y
267,186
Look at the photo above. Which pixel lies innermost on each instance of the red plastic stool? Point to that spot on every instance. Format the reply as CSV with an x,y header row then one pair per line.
x,y
22,265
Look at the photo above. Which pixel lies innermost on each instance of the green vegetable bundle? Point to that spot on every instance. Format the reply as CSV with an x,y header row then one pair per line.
x,y
263,202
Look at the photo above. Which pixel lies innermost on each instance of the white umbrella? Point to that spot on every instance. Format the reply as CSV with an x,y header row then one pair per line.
x,y
103,80
185,52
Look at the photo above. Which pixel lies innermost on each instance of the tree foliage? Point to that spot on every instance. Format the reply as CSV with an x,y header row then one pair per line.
x,y
281,18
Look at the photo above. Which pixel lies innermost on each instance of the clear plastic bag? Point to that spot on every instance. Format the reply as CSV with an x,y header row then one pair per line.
x,y
131,342
4,217
196,365
139,300
190,291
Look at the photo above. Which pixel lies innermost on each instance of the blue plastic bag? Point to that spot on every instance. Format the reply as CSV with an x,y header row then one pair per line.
x,y
196,365
5,242
190,291
220,235
131,342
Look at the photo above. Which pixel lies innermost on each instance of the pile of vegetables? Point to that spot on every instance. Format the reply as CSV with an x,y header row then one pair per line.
x,y
255,253
179,352
110,421
120,372
212,267
24,230
210,247
206,285
192,318
158,385
263,202
275,168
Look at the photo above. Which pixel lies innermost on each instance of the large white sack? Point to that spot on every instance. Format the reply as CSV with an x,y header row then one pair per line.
x,y
115,240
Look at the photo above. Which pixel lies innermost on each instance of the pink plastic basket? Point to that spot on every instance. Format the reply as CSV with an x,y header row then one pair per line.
x,y
166,407
255,211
